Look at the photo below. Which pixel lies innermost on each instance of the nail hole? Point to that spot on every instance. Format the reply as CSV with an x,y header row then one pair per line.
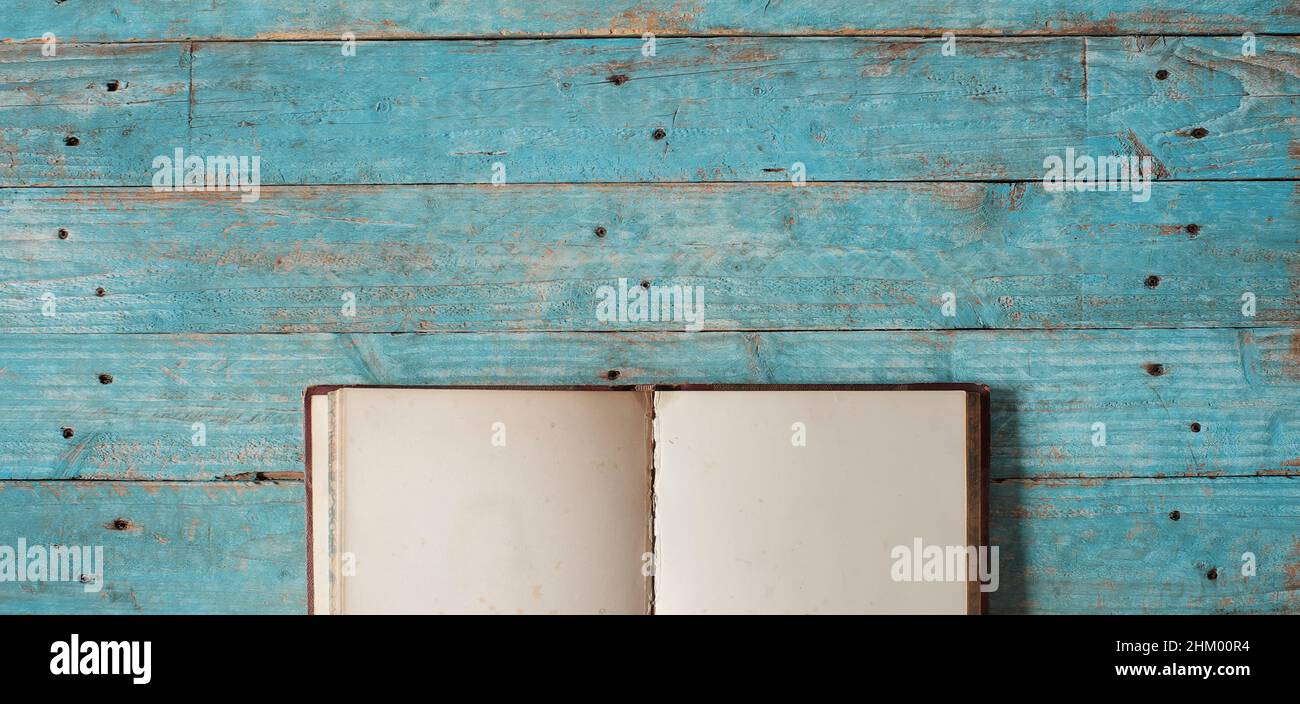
x,y
1200,132
1175,515
1212,574
71,140
1153,281
1196,427
84,579
645,284
611,374
119,524
619,79
1193,229
659,133
1162,75
1154,369
63,233
600,231
112,86
67,432
99,291
105,378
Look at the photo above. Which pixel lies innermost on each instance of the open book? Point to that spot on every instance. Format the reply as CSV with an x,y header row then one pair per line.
x,y
689,500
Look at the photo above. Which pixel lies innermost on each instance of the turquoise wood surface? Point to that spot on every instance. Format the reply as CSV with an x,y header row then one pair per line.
x,y
132,20
171,547
1113,547
730,109
925,177
825,256
1241,386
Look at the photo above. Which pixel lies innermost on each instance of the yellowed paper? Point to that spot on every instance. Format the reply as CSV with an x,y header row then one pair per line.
x,y
492,501
793,501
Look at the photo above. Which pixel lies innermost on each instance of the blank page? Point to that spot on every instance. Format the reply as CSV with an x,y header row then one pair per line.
x,y
746,521
442,519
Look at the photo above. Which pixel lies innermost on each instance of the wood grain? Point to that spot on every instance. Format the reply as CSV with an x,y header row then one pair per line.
x,y
819,257
44,101
124,20
731,109
825,256
1048,389
169,547
1245,105
1112,546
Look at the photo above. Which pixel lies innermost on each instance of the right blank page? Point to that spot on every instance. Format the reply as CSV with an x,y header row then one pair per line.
x,y
748,520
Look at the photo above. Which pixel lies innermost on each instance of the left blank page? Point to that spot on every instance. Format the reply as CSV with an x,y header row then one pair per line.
x,y
490,501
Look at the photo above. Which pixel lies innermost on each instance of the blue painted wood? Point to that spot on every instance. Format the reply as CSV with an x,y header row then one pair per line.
x,y
1202,413
825,256
1216,114
1049,387
45,101
1112,547
118,20
730,109
1064,547
211,547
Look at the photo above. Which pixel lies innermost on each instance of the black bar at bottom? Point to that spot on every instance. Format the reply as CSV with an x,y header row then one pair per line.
x,y
206,655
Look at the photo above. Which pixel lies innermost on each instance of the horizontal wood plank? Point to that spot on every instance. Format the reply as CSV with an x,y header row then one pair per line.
x,y
729,109
125,20
1049,389
1214,114
46,102
825,256
1064,547
168,547
1113,547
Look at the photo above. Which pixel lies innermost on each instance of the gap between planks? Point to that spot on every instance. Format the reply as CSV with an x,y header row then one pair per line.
x,y
703,185
856,34
636,331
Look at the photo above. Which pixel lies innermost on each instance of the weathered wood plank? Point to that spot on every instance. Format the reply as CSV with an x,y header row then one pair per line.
x,y
846,109
181,547
433,112
731,109
825,256
45,101
1214,114
1049,388
1065,547
1112,546
123,20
